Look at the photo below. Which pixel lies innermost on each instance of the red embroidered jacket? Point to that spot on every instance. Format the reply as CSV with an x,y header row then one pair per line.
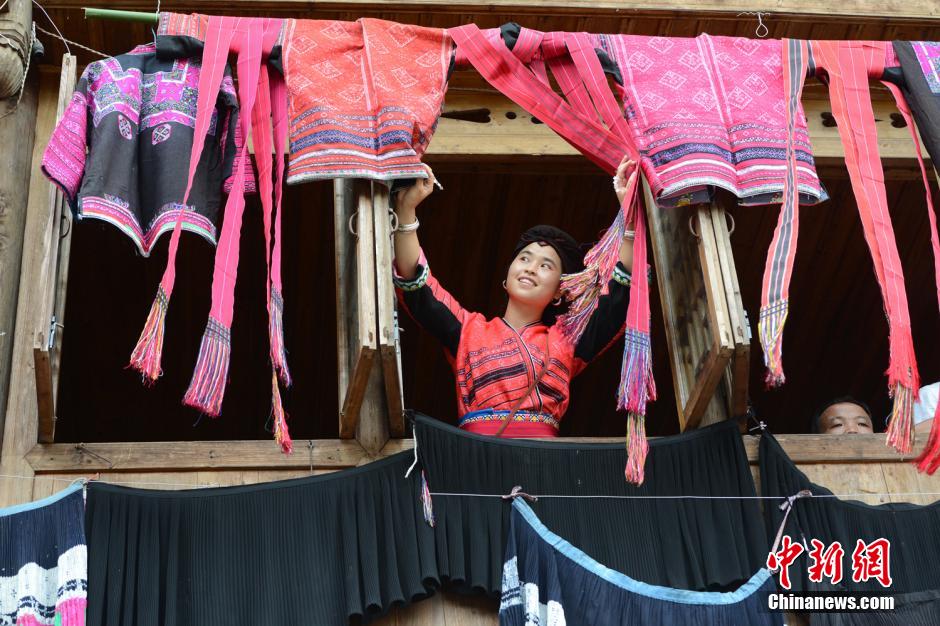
x,y
494,364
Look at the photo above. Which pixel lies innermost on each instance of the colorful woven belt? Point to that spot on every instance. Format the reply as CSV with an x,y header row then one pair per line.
x,y
499,416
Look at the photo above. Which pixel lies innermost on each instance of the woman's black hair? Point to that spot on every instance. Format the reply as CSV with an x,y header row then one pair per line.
x,y
814,423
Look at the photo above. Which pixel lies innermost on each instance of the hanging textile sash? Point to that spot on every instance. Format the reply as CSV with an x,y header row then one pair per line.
x,y
929,459
577,123
149,349
252,40
848,66
775,289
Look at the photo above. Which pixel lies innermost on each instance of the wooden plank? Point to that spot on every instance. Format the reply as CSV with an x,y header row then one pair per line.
x,y
739,367
387,322
772,9
802,449
51,290
371,427
191,456
693,302
712,366
355,288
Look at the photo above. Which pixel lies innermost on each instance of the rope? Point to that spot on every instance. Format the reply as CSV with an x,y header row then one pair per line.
x,y
74,43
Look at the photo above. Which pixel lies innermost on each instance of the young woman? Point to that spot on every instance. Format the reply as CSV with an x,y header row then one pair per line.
x,y
513,372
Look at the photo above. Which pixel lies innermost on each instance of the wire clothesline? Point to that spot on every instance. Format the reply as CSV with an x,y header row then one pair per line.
x,y
904,494
682,497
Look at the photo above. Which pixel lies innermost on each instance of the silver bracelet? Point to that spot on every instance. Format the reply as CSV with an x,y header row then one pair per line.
x,y
629,234
409,228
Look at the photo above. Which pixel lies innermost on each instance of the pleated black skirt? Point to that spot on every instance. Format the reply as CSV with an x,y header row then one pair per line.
x,y
692,544
914,531
547,580
308,551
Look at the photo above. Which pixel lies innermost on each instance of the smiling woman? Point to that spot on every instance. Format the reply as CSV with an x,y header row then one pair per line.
x,y
512,372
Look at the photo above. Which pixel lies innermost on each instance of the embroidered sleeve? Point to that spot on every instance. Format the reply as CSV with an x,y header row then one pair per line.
x,y
63,161
431,306
607,323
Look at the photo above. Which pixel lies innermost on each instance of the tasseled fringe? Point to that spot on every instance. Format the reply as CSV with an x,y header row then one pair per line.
x,y
583,289
276,337
211,374
900,425
149,349
637,386
770,330
426,501
637,449
281,434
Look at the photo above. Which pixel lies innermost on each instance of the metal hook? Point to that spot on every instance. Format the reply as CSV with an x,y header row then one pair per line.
x,y
349,225
692,227
728,216
393,221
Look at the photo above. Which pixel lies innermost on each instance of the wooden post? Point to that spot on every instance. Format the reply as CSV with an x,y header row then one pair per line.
x,y
17,131
355,297
55,248
691,287
20,429
388,324
739,368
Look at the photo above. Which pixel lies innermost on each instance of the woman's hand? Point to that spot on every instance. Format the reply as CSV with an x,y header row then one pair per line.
x,y
410,198
625,172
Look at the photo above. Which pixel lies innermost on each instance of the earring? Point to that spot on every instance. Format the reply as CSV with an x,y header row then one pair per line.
x,y
504,285
557,301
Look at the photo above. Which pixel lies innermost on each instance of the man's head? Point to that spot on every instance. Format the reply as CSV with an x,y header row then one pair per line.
x,y
843,416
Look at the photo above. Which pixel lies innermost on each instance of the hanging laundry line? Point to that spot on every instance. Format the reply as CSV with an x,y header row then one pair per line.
x,y
679,497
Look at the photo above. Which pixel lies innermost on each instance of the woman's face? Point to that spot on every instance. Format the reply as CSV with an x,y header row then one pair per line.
x,y
534,275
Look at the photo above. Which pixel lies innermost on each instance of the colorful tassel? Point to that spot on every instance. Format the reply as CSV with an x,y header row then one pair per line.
x,y
281,434
637,386
276,336
637,449
584,288
149,349
770,330
211,374
426,501
900,434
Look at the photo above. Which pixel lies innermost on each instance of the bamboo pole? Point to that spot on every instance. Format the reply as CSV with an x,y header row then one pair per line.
x,y
121,16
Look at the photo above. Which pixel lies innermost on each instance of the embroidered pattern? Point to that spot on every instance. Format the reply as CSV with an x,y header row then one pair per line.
x,y
160,134
928,53
720,124
125,127
364,97
44,581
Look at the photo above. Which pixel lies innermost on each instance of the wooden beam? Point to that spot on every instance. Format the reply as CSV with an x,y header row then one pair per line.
x,y
389,346
801,449
355,299
180,456
500,128
886,10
